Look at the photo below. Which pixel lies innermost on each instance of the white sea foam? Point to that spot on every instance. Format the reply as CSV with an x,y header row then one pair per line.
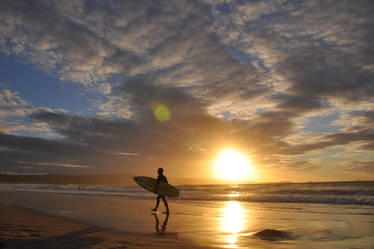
x,y
352,193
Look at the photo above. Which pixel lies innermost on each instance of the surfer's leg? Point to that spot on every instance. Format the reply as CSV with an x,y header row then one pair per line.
x,y
166,204
157,203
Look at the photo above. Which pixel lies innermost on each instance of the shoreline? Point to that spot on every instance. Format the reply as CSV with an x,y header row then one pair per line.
x,y
26,228
105,222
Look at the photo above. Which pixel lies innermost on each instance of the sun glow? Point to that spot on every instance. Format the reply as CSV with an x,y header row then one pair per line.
x,y
231,164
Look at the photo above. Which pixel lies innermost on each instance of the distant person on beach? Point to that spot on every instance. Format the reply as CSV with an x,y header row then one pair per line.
x,y
161,178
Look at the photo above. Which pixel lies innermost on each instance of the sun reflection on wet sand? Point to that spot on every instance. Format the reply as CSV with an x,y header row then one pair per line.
x,y
232,223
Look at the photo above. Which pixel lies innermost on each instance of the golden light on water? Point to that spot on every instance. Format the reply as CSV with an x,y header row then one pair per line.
x,y
231,164
232,222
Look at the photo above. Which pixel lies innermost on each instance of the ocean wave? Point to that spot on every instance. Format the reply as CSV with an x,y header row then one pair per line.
x,y
353,194
351,200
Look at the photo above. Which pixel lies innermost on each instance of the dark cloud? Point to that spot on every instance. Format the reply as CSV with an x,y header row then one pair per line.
x,y
18,153
142,93
164,142
89,131
299,103
104,144
314,73
190,132
329,141
272,124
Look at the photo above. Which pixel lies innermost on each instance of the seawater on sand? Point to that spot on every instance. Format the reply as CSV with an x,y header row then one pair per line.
x,y
223,224
23,228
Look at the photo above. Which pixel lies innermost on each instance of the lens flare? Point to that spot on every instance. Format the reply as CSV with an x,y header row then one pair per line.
x,y
161,112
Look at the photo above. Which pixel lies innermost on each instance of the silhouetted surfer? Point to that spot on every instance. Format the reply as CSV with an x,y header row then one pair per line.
x,y
161,178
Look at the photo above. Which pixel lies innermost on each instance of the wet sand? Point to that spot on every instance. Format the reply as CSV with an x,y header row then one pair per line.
x,y
117,222
25,228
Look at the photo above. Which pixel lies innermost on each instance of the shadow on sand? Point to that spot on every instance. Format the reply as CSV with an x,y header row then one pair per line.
x,y
77,239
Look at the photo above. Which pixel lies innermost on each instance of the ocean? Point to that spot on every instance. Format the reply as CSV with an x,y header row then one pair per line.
x,y
350,193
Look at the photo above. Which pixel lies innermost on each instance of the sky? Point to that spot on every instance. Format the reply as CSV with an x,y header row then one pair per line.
x,y
125,87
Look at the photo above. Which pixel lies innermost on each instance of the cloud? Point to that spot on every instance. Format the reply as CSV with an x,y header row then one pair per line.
x,y
240,72
13,127
311,50
49,40
14,111
187,134
12,104
362,166
72,42
318,73
24,152
142,93
358,119
299,103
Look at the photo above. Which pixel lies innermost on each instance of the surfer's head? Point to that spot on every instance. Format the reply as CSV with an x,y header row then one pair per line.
x,y
160,171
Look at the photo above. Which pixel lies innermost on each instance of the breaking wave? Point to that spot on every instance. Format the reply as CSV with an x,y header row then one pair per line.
x,y
352,193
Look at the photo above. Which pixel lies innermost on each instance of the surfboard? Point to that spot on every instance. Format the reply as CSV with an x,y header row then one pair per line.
x,y
149,184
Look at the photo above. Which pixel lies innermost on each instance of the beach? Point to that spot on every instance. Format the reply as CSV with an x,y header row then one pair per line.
x,y
31,228
24,228
251,121
106,221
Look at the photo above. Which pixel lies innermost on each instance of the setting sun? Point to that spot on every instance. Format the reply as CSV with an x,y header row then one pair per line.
x,y
231,164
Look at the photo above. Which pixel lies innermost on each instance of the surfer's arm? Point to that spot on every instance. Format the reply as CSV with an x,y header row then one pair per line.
x,y
157,184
